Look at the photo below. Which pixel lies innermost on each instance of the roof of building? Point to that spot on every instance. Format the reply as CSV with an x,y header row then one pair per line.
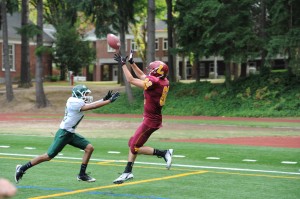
x,y
14,22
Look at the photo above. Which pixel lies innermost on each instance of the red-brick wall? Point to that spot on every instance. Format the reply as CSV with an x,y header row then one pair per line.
x,y
15,75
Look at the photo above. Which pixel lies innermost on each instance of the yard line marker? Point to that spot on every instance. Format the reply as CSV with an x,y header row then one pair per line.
x,y
161,164
29,148
4,146
178,156
288,162
119,185
212,158
249,160
116,152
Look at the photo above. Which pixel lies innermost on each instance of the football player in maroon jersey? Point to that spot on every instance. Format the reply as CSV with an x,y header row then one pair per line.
x,y
156,87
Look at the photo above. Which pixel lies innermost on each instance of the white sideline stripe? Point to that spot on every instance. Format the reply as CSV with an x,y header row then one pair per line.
x,y
176,165
2,146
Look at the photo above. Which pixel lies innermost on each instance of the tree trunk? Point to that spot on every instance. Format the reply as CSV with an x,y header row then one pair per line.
x,y
151,32
41,100
8,82
172,69
25,81
123,53
263,34
196,68
227,74
183,76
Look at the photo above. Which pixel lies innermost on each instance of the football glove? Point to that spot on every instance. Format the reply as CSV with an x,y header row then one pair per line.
x,y
121,60
130,60
108,95
114,97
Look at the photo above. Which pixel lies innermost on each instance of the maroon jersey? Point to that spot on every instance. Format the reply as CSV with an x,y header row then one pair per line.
x,y
155,94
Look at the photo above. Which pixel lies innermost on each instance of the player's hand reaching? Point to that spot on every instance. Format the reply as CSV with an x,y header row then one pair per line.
x,y
108,95
130,60
114,97
121,60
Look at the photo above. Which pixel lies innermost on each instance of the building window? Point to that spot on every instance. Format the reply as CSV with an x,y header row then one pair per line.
x,y
11,57
110,49
211,67
156,44
134,46
252,64
165,45
202,70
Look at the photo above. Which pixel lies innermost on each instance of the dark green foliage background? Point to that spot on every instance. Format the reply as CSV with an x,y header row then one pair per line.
x,y
275,94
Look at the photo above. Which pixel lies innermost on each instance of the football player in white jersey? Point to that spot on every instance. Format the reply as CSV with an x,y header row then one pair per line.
x,y
79,102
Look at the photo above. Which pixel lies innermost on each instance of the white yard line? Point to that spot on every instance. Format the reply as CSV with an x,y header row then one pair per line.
x,y
174,165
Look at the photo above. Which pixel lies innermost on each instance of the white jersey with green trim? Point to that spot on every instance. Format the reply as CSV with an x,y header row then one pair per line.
x,y
73,115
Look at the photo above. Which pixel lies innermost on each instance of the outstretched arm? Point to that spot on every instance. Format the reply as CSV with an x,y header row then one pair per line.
x,y
135,81
139,73
109,98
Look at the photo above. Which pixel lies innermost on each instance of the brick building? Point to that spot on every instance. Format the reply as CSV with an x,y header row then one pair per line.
x,y
14,42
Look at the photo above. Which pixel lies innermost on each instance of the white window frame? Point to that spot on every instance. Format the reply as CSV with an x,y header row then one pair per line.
x,y
165,43
156,44
134,46
11,57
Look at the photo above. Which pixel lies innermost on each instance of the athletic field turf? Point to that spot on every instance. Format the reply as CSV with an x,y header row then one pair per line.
x,y
200,170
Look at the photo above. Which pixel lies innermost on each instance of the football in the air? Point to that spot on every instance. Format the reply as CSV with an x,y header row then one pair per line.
x,y
113,41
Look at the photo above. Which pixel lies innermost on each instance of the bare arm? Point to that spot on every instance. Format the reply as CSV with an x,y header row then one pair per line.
x,y
140,74
110,97
135,81
94,105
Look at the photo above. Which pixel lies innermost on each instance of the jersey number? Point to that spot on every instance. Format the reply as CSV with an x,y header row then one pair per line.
x,y
163,97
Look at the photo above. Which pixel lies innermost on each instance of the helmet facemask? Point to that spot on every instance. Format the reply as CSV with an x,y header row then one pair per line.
x,y
86,98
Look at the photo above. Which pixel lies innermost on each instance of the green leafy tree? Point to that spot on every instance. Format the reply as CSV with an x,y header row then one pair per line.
x,y
58,11
111,16
71,52
140,29
284,31
214,27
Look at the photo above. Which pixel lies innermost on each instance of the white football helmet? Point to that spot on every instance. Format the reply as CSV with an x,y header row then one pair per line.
x,y
82,92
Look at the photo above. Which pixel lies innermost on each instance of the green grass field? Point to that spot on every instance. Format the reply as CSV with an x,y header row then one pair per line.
x,y
194,174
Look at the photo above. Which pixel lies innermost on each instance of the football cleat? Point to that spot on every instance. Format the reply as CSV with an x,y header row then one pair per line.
x,y
19,173
168,158
86,178
124,177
